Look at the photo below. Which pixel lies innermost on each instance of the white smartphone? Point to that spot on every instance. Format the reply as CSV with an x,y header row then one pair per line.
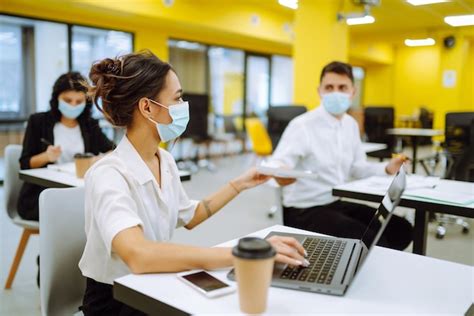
x,y
206,284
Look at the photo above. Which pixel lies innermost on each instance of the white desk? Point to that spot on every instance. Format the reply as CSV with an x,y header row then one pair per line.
x,y
390,282
361,191
371,147
414,134
50,178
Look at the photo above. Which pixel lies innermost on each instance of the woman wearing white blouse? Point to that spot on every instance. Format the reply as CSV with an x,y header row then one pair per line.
x,y
134,198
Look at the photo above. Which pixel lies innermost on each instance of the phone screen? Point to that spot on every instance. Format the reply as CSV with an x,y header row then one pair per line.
x,y
205,281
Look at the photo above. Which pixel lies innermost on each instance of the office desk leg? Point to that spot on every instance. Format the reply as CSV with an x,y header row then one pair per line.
x,y
414,143
420,231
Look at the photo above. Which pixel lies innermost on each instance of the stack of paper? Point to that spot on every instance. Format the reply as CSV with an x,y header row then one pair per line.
x,y
460,198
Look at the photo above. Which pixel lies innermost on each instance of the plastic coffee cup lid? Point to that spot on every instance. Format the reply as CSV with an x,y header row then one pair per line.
x,y
84,155
253,248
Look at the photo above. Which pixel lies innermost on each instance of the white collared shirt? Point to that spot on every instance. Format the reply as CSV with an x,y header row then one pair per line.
x,y
121,192
329,147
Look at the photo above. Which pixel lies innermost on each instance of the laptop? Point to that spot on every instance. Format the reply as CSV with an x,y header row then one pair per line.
x,y
334,261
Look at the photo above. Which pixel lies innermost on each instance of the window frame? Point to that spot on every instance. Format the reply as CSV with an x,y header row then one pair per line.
x,y
27,100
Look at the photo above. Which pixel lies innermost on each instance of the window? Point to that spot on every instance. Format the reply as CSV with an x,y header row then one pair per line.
x,y
281,81
51,59
34,54
92,44
359,76
11,69
189,59
257,85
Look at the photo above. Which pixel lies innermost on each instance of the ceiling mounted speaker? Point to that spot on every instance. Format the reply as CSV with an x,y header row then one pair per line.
x,y
449,41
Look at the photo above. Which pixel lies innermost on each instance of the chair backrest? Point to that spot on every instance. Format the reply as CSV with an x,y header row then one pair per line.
x,y
278,119
463,162
376,122
457,131
258,135
426,118
62,241
198,116
12,182
229,124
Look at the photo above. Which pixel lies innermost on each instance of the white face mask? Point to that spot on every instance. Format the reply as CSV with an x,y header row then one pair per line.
x,y
336,103
71,111
180,115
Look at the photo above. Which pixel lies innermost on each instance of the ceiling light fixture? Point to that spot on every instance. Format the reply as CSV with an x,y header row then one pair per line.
x,y
292,4
425,2
420,42
367,19
460,20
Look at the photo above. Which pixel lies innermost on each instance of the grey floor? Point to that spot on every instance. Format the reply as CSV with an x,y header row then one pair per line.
x,y
245,214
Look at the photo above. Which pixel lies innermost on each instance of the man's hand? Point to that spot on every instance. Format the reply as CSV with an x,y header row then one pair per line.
x,y
284,181
395,163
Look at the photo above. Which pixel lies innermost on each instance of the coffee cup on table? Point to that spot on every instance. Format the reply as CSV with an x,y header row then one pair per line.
x,y
83,162
253,263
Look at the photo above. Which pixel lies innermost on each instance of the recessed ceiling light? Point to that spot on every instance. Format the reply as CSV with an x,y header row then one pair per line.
x,y
368,19
425,2
420,42
460,20
292,4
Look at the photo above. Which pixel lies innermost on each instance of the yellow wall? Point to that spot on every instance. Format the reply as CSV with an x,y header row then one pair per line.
x,y
414,77
319,40
467,97
378,85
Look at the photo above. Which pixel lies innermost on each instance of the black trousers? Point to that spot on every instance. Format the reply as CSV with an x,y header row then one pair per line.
x,y
349,220
99,301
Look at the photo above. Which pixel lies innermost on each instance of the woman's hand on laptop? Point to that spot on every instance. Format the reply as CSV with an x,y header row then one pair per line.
x,y
289,251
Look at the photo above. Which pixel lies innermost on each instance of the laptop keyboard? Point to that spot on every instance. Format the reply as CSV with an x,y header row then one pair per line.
x,y
323,255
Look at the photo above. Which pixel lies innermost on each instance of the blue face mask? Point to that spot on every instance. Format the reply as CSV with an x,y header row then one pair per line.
x,y
70,111
180,115
336,103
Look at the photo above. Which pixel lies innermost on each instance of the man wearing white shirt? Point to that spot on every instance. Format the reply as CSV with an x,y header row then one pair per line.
x,y
327,141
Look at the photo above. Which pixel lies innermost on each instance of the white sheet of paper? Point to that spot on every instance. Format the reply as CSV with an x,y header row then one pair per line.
x,y
286,173
442,196
69,167
413,182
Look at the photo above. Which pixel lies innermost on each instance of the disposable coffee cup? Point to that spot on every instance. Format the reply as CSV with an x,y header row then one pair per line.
x,y
83,163
253,264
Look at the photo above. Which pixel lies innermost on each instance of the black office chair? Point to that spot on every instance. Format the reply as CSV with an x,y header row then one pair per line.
x,y
458,149
376,122
426,121
197,131
278,119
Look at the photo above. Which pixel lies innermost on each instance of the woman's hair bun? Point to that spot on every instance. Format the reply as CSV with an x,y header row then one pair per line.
x,y
119,83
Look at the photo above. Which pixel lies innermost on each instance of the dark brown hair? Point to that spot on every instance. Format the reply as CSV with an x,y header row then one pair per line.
x,y
70,81
119,84
339,68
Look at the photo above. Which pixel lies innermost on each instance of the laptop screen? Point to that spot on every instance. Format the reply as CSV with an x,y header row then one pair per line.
x,y
383,214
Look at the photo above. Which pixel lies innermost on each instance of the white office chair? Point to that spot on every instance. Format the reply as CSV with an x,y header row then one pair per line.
x,y
62,242
12,185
